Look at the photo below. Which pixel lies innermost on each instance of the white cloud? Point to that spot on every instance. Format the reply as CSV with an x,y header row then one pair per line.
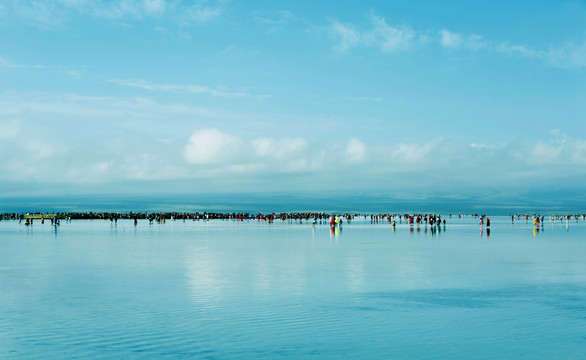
x,y
202,12
156,7
413,153
355,150
186,89
516,50
450,39
228,153
387,38
137,9
570,54
290,146
545,152
52,13
473,42
210,146
281,149
478,146
263,146
391,38
562,150
579,153
346,36
274,18
40,149
364,98
76,139
43,13
232,50
101,167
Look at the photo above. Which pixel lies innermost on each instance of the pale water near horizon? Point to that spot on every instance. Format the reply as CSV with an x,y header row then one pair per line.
x,y
250,290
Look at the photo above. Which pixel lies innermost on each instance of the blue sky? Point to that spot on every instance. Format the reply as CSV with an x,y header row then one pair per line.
x,y
157,96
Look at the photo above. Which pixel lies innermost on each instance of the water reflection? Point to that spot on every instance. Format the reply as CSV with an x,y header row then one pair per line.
x,y
355,273
335,233
203,275
244,290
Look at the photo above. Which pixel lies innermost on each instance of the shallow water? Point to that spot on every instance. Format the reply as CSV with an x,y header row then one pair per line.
x,y
233,290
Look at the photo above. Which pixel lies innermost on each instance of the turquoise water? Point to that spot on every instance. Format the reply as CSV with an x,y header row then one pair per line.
x,y
232,290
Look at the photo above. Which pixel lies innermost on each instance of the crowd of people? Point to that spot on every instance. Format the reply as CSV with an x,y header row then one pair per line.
x,y
333,219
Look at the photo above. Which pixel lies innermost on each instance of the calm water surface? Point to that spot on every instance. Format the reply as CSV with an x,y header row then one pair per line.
x,y
232,290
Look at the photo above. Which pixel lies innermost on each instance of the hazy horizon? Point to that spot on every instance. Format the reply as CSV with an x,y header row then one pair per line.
x,y
303,202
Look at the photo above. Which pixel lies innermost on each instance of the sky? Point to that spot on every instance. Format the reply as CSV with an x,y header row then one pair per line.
x,y
410,98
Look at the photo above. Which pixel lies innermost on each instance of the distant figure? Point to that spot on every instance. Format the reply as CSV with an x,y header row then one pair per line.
x,y
487,222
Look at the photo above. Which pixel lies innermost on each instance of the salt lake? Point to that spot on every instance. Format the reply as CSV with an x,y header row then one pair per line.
x,y
225,289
